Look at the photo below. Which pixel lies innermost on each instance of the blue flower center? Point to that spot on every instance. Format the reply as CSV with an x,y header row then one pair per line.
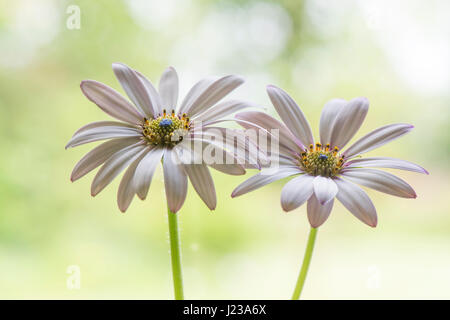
x,y
323,156
164,123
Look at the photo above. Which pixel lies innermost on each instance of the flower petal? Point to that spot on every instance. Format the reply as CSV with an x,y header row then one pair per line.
x,y
168,89
110,101
318,213
381,181
83,136
325,189
127,190
145,170
377,138
357,202
222,109
153,94
263,120
175,181
213,93
114,165
203,183
385,162
327,118
291,114
99,155
348,120
262,178
234,169
195,92
296,192
134,87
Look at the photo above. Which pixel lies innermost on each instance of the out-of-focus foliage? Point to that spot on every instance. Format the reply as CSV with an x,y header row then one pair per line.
x,y
396,54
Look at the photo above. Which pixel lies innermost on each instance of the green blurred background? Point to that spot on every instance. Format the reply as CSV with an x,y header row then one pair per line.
x,y
396,53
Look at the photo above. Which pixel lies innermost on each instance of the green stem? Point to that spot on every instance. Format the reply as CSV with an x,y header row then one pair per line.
x,y
175,254
305,265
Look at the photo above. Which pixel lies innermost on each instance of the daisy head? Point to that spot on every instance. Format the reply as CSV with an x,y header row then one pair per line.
x,y
154,127
324,169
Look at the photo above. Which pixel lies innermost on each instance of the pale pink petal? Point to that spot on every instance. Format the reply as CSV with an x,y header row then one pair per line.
x,y
381,181
203,183
153,94
262,178
175,181
99,155
98,124
385,162
318,213
145,170
234,169
357,202
127,190
348,120
325,189
134,88
263,120
327,118
102,133
213,93
111,102
221,110
291,114
296,192
377,138
195,92
168,89
114,165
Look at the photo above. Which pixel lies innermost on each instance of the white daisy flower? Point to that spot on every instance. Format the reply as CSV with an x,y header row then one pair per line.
x,y
150,130
325,170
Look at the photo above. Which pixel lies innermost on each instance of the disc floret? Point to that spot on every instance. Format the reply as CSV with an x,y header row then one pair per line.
x,y
321,160
166,130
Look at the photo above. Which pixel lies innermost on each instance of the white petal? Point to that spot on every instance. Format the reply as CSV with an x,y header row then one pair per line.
x,y
291,114
153,94
98,124
234,169
325,189
168,89
222,109
114,165
327,118
213,93
377,138
127,190
263,178
99,155
203,183
175,181
357,202
381,181
145,170
385,162
195,92
348,120
296,192
111,102
134,87
263,120
318,213
101,133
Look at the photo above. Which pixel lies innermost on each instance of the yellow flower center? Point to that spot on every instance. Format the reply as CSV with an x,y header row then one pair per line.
x,y
321,161
166,130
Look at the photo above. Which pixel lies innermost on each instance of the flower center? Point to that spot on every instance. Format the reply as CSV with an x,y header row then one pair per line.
x,y
321,161
167,129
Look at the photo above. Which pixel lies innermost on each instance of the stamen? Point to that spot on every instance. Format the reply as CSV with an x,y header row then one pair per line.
x,y
321,161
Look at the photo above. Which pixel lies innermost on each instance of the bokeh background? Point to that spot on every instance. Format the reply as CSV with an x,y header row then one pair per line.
x,y
396,53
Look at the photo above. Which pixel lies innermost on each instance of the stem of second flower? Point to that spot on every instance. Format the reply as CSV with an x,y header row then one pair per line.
x,y
175,254
305,265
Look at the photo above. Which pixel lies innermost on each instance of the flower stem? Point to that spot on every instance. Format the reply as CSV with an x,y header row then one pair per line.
x,y
305,265
175,255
